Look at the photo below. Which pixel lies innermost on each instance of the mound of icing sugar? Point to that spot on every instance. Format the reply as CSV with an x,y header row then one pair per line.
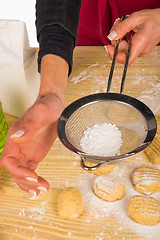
x,y
101,140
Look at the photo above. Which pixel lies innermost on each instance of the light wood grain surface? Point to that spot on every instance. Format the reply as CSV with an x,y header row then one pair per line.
x,y
24,218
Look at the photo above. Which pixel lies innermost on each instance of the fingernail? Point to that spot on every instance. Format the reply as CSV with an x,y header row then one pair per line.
x,y
106,48
32,192
30,179
42,189
116,21
17,134
112,35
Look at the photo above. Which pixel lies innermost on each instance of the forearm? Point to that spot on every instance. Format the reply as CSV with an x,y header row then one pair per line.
x,y
54,74
56,40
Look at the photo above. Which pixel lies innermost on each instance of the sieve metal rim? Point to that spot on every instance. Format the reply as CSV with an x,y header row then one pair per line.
x,y
141,107
137,104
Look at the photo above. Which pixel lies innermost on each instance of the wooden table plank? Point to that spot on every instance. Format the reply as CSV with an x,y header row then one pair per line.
x,y
24,218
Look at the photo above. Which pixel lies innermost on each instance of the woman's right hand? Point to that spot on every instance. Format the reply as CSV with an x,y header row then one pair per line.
x,y
146,27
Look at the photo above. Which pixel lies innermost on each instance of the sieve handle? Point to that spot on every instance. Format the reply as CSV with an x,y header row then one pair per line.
x,y
112,66
114,60
126,64
85,167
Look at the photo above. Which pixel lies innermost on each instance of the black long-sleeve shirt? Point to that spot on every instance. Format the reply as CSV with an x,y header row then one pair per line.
x,y
57,26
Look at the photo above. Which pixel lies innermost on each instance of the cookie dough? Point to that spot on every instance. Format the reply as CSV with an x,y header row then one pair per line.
x,y
102,170
146,180
70,203
153,150
158,125
108,188
144,210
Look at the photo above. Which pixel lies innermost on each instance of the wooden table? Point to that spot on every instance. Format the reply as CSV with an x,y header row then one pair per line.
x,y
22,217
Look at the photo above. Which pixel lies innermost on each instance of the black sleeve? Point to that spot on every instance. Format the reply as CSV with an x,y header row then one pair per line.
x,y
56,40
62,12
57,26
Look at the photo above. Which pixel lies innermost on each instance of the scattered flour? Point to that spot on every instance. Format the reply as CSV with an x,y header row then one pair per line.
x,y
89,72
101,140
150,95
100,208
37,212
123,170
81,77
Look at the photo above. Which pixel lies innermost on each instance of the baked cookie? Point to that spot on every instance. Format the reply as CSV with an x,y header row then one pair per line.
x,y
108,188
146,180
70,203
144,210
102,170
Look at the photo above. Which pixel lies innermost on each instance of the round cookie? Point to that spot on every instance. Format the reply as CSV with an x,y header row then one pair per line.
x,y
108,188
70,203
146,180
102,170
144,210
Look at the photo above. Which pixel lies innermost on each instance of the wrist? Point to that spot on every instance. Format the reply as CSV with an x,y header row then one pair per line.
x,y
54,74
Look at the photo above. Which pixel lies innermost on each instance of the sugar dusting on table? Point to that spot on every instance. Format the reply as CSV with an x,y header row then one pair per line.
x,y
95,206
150,96
100,208
36,212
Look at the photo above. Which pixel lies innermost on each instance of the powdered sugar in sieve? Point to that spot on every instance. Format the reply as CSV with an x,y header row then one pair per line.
x,y
101,140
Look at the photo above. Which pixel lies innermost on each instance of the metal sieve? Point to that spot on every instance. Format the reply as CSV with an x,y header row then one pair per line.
x,y
133,118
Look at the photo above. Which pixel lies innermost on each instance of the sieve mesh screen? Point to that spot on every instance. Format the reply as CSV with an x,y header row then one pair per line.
x,y
128,119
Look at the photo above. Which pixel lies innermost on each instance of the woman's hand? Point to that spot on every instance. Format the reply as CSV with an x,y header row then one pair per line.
x,y
30,138
28,141
146,27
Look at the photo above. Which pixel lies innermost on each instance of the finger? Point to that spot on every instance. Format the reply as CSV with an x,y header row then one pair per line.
x,y
122,50
41,185
32,164
110,50
26,188
123,46
140,46
16,170
125,26
115,23
121,56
